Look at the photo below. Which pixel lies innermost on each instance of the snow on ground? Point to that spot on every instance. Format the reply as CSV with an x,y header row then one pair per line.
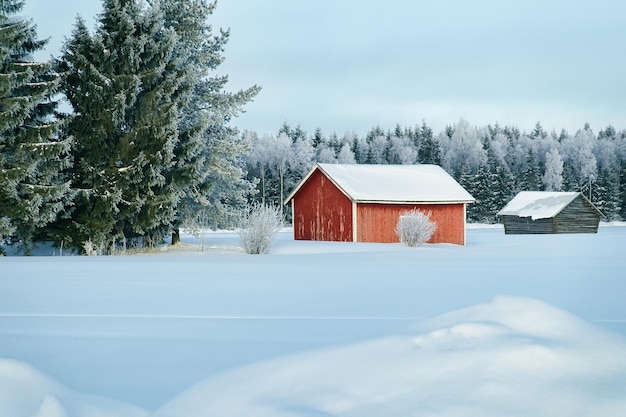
x,y
507,325
24,391
509,357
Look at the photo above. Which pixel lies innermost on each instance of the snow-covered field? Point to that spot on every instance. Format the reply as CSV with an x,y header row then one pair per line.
x,y
505,326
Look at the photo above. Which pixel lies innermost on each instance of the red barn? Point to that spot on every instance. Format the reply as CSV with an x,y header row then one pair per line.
x,y
362,203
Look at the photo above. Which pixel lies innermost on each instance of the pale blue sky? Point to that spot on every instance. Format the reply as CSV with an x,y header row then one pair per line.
x,y
348,65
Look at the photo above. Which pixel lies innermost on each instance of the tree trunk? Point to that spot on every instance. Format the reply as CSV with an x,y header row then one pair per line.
x,y
175,235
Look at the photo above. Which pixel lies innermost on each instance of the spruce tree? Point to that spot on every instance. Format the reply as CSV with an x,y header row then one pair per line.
x,y
120,82
605,194
531,176
318,137
209,162
429,152
32,152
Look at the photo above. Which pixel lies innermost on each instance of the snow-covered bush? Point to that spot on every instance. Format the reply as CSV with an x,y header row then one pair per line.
x,y
415,228
259,227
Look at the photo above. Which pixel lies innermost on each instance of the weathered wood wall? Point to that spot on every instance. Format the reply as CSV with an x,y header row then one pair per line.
x,y
577,217
321,211
377,222
514,225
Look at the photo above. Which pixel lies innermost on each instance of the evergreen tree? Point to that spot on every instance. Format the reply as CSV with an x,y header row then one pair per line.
x,y
360,149
531,178
120,83
428,152
318,138
481,187
209,158
285,129
538,132
378,150
606,191
505,187
32,152
606,195
622,190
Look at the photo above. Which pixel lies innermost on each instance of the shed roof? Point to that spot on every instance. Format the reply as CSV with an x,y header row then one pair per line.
x,y
393,183
538,204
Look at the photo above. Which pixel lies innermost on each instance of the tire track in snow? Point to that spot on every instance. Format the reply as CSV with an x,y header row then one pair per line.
x,y
232,317
199,317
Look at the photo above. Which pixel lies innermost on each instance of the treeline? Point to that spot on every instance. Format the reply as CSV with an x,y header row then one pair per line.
x,y
492,162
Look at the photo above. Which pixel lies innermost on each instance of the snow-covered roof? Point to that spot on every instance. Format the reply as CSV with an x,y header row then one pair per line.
x,y
538,204
393,183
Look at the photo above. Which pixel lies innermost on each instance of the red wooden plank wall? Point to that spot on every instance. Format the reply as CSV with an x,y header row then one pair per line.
x,y
321,211
377,222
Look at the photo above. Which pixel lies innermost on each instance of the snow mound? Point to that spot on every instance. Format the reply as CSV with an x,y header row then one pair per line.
x,y
26,392
512,356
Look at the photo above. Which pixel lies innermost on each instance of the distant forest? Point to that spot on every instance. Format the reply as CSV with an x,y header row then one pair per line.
x,y
492,162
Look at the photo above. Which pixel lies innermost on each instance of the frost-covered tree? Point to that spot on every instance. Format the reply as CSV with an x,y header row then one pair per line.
x,y
326,154
578,152
345,155
121,82
208,167
538,132
360,148
498,146
402,151
259,160
462,151
606,192
271,158
303,155
553,176
282,156
33,153
378,146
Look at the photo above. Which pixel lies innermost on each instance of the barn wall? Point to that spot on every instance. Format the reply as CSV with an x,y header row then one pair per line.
x,y
514,225
377,222
578,217
321,211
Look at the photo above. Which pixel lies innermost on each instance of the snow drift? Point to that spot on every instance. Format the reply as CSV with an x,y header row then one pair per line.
x,y
26,392
513,356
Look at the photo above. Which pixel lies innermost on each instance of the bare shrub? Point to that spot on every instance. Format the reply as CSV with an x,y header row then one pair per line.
x,y
198,226
90,248
259,227
415,228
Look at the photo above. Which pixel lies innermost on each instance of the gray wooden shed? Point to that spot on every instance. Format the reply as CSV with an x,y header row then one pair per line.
x,y
543,212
